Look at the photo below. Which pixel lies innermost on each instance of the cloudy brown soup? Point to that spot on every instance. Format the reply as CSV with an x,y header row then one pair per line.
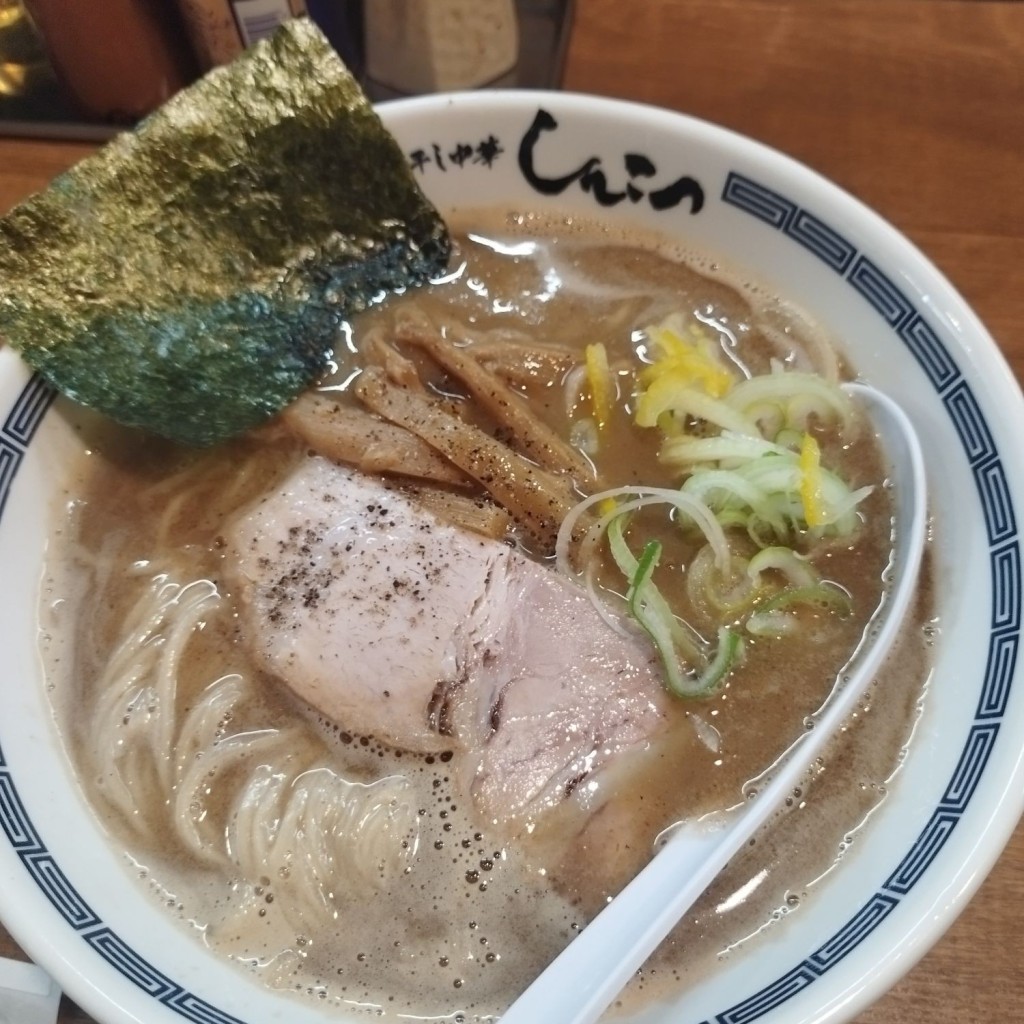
x,y
437,875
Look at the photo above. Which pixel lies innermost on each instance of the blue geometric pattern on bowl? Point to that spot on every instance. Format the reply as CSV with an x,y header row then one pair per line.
x,y
869,281
1000,521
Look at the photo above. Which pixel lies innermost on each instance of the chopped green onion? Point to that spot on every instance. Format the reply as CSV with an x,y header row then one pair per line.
x,y
683,637
826,594
774,615
727,450
727,655
797,396
645,566
685,504
651,611
753,467
771,624
797,570
666,395
769,488
728,595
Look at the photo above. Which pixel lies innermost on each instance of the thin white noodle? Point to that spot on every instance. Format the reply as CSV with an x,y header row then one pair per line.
x,y
572,388
801,339
290,815
192,603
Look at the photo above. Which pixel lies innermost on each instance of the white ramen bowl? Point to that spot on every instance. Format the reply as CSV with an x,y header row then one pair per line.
x,y
65,892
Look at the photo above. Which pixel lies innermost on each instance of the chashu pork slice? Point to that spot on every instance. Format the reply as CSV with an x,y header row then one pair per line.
x,y
395,625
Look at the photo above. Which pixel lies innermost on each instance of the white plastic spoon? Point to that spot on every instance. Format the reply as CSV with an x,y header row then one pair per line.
x,y
584,979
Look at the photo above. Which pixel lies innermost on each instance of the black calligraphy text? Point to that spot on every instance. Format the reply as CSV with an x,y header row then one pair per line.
x,y
591,176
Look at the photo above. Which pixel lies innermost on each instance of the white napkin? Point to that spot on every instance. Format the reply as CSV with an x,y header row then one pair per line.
x,y
28,995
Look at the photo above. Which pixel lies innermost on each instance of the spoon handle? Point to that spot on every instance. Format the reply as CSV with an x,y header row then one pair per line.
x,y
605,955
586,977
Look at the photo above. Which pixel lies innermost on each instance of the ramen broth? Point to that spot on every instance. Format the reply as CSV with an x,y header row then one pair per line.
x,y
431,910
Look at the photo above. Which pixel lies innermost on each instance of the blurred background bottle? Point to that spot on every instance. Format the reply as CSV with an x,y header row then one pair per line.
x,y
409,47
118,59
420,46
84,68
221,29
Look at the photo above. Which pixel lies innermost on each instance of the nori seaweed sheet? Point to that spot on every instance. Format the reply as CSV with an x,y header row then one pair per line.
x,y
191,277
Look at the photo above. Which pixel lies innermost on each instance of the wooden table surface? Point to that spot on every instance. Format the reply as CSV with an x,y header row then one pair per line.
x,y
916,107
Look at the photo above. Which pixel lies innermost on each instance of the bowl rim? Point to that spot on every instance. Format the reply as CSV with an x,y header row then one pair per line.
x,y
769,205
